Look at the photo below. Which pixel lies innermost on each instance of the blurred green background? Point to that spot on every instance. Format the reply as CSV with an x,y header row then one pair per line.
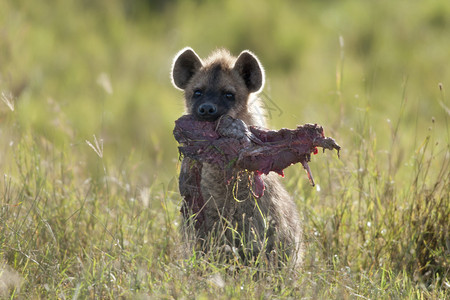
x,y
78,68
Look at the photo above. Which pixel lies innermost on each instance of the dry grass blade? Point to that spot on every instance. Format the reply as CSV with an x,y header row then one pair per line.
x,y
8,99
98,147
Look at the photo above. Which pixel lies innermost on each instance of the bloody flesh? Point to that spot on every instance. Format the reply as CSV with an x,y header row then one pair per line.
x,y
233,146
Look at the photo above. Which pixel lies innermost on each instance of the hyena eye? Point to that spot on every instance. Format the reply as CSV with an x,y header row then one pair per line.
x,y
198,93
229,96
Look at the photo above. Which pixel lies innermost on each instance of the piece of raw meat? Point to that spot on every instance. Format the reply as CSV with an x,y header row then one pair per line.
x,y
233,146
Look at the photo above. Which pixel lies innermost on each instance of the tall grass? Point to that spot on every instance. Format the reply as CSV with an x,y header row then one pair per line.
x,y
72,235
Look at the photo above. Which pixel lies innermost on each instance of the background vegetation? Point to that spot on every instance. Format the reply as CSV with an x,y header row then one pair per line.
x,y
89,204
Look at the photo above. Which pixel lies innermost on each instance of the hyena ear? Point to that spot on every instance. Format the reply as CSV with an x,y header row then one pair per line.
x,y
250,69
185,65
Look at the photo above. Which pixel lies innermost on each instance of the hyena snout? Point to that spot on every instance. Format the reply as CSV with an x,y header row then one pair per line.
x,y
208,111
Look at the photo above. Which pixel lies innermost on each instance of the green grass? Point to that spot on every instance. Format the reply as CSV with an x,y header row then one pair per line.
x,y
89,204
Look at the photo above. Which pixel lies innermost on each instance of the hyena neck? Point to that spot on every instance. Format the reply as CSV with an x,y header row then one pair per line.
x,y
216,186
255,113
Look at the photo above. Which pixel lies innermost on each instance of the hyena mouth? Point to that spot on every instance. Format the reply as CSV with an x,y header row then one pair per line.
x,y
207,118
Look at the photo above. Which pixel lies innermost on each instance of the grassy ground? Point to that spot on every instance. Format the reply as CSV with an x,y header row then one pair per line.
x,y
89,205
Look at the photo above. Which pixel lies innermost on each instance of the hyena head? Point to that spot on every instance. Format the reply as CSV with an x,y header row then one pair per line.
x,y
221,84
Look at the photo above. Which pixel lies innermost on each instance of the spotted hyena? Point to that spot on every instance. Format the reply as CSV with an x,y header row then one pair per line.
x,y
229,216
